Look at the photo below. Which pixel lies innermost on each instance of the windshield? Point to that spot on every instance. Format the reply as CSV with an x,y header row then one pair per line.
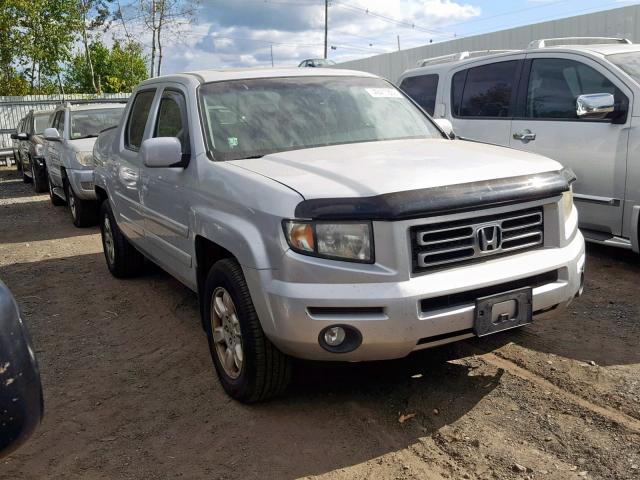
x,y
628,63
252,118
41,122
89,123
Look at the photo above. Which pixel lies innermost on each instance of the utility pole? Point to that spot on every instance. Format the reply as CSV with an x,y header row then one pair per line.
x,y
326,26
398,42
272,55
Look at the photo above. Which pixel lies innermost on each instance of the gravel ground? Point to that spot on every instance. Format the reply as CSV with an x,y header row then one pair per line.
x,y
130,391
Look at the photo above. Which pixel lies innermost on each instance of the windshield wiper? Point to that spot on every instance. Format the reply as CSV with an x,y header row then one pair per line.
x,y
92,135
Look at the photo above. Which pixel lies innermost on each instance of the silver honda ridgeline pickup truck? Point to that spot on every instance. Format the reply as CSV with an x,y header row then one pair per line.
x,y
323,215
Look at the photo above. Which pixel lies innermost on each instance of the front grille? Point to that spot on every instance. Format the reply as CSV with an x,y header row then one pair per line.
x,y
438,245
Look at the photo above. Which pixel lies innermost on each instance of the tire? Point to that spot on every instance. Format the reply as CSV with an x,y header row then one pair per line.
x,y
84,213
264,371
123,260
39,176
56,201
18,163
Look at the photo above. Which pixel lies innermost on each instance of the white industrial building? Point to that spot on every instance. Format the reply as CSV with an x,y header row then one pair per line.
x,y
619,22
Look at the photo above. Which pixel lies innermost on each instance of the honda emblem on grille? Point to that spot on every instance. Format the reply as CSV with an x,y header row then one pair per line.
x,y
489,238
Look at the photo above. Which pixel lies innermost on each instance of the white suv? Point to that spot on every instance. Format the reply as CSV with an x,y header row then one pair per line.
x,y
569,99
68,156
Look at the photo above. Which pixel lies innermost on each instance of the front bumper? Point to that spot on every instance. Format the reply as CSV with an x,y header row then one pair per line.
x,y
395,322
82,183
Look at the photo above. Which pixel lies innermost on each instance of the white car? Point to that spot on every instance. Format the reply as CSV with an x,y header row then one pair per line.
x,y
570,99
68,153
320,214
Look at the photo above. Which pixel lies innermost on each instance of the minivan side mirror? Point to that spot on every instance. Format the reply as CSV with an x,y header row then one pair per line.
x,y
161,152
595,105
14,136
22,136
51,134
446,126
21,401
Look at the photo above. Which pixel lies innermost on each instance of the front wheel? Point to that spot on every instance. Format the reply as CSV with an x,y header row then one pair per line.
x,y
249,366
123,260
84,213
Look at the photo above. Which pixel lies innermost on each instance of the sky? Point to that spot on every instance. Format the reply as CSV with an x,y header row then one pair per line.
x,y
246,33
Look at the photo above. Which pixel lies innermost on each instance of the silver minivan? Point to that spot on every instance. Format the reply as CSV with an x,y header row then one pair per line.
x,y
569,99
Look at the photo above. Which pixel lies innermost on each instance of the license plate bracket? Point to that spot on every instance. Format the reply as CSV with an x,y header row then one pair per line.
x,y
504,311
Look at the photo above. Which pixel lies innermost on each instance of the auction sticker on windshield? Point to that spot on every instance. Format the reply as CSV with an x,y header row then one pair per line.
x,y
384,92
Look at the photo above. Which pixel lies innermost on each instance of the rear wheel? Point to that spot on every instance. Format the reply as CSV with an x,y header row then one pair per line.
x,y
84,213
123,260
249,366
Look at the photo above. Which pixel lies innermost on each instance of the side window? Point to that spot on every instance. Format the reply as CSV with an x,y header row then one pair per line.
x,y
423,89
172,118
487,91
60,122
138,119
457,86
556,83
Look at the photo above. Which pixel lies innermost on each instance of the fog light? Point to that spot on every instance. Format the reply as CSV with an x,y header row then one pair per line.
x,y
334,336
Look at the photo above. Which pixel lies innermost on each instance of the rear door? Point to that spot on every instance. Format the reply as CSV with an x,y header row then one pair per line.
x,y
482,99
126,194
164,190
596,150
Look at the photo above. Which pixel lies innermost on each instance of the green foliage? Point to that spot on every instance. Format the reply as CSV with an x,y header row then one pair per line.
x,y
118,69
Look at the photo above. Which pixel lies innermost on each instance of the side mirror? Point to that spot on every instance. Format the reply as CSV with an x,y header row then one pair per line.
x,y
22,136
21,402
51,134
14,136
161,152
446,126
595,105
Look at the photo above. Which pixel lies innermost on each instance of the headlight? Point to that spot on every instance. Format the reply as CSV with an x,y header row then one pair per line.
x,y
567,203
84,158
341,241
38,148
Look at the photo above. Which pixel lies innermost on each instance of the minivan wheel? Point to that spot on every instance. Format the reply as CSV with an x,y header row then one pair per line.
x,y
39,176
84,213
123,260
249,366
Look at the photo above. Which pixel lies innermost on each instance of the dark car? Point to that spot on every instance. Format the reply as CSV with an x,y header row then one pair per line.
x,y
15,143
31,149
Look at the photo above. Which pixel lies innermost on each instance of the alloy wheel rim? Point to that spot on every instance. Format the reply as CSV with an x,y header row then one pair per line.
x,y
108,240
227,336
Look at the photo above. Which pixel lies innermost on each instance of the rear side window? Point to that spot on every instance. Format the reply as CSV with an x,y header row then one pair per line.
x,y
172,118
138,119
485,91
556,83
422,89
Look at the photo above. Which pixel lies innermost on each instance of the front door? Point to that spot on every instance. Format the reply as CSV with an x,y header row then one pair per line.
x,y
164,190
54,150
596,150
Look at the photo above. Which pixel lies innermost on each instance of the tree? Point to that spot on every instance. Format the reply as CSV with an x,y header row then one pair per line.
x,y
118,69
161,18
95,14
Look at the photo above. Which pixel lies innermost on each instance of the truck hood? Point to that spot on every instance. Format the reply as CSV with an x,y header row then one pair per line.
x,y
375,168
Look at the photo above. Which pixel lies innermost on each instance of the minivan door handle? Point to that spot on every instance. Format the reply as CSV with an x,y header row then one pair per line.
x,y
525,135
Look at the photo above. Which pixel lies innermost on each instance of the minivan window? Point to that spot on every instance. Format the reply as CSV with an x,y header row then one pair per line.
x,y
422,89
256,117
556,83
172,116
487,91
137,120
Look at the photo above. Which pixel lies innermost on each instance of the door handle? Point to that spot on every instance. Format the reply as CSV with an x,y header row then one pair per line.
x,y
525,136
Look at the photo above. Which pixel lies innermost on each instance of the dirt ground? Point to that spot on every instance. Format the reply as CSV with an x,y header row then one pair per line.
x,y
130,391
